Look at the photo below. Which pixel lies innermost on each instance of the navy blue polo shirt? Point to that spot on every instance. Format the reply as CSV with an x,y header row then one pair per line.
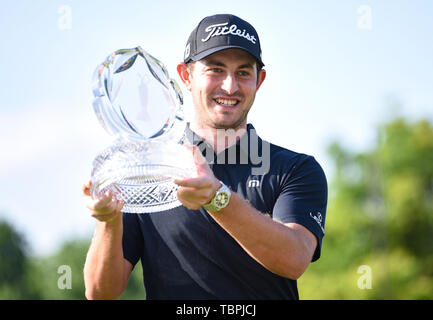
x,y
185,254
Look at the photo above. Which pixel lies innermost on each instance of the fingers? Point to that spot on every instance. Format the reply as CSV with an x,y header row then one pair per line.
x,y
109,212
86,188
200,182
195,197
190,205
200,162
105,202
197,155
196,191
205,177
195,152
191,199
104,208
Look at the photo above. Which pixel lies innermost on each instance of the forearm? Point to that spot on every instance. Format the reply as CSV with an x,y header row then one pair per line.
x,y
278,247
104,270
285,249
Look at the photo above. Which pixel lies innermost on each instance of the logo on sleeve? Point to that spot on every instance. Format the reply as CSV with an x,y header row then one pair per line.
x,y
253,183
318,218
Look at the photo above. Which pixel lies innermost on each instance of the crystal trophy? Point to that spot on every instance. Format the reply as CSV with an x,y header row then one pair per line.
x,y
137,102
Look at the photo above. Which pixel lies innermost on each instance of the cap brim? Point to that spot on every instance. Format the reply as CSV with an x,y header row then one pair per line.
x,y
208,52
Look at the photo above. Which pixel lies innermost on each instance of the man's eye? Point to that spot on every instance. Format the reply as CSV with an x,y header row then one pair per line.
x,y
244,73
216,70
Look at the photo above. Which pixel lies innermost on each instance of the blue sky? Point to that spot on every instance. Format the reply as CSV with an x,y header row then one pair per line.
x,y
335,70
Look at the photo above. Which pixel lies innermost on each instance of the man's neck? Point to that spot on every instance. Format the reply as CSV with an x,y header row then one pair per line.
x,y
219,139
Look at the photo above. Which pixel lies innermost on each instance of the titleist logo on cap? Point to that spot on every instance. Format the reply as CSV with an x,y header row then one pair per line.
x,y
221,29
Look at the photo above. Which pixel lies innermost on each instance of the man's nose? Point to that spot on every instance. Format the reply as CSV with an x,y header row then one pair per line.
x,y
230,84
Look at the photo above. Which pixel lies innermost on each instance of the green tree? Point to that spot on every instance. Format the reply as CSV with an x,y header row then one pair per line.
x,y
380,220
135,288
15,265
61,274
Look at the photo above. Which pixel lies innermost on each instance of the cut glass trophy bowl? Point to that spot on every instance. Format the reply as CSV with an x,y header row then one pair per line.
x,y
137,102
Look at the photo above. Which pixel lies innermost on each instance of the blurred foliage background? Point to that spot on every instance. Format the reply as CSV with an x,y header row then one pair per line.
x,y
379,231
380,215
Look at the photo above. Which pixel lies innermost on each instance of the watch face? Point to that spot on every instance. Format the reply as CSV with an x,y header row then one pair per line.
x,y
221,199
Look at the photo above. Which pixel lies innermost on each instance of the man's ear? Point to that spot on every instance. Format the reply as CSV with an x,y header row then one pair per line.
x,y
260,78
185,74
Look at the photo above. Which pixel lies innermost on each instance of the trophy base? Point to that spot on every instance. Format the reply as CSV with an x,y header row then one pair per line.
x,y
131,172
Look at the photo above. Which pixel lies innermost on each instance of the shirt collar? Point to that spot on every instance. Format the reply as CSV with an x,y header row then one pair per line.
x,y
243,145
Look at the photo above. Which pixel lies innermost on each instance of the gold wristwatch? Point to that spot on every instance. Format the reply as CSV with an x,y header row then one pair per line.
x,y
220,200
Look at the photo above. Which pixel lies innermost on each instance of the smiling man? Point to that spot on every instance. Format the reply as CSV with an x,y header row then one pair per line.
x,y
223,87
242,232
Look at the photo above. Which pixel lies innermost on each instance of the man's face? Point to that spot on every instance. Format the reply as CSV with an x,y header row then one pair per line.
x,y
223,87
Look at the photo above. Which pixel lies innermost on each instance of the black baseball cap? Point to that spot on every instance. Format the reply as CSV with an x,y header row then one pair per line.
x,y
220,32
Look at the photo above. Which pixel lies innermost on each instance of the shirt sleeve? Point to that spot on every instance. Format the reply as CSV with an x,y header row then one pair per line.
x,y
303,198
132,240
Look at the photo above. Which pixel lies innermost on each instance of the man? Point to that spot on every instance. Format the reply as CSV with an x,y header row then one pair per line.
x,y
249,226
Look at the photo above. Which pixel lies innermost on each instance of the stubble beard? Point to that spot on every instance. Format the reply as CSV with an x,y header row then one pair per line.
x,y
236,124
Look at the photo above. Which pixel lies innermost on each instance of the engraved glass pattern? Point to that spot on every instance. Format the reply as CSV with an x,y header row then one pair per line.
x,y
140,105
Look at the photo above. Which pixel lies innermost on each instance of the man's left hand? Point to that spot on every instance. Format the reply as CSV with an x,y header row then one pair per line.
x,y
194,192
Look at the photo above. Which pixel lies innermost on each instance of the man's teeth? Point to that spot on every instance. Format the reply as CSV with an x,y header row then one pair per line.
x,y
226,102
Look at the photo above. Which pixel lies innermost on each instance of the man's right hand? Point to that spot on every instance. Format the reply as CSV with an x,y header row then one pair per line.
x,y
106,208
